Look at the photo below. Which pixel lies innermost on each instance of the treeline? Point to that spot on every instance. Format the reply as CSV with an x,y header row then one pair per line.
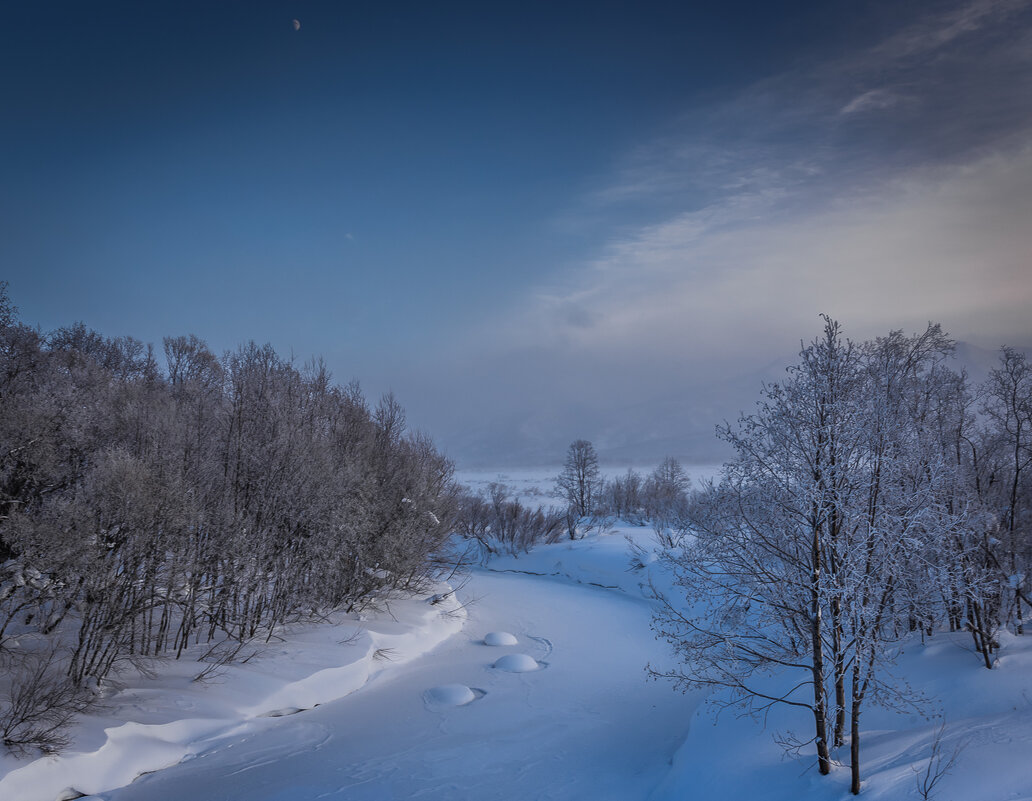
x,y
144,510
875,495
660,497
497,523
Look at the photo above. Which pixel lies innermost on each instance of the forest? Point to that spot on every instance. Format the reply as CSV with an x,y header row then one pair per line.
x,y
148,508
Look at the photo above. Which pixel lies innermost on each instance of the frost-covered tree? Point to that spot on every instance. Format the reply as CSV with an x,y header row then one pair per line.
x,y
814,553
889,520
1008,406
665,493
623,497
759,575
580,482
142,513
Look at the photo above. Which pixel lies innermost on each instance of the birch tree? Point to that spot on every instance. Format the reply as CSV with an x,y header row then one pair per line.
x,y
762,576
811,556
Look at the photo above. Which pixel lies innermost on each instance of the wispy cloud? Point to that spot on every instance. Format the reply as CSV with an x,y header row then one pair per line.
x,y
771,186
790,199
946,243
936,31
948,83
871,100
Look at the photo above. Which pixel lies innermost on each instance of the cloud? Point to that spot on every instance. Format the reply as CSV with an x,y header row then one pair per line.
x,y
761,211
936,31
950,243
950,82
871,101
769,209
673,327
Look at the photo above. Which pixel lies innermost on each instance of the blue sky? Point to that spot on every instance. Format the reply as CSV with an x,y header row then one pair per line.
x,y
534,222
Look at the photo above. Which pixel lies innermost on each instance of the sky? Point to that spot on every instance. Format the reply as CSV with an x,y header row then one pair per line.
x,y
534,222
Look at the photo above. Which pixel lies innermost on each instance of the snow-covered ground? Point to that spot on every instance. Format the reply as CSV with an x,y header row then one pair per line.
x,y
449,706
152,723
533,487
566,712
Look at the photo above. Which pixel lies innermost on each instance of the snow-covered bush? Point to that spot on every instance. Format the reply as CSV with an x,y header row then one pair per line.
x,y
501,524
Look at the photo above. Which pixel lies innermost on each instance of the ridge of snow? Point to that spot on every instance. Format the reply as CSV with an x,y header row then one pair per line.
x,y
153,724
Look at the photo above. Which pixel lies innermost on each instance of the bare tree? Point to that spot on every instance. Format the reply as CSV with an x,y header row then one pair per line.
x,y
580,482
760,576
938,767
623,497
1008,405
665,495
502,524
805,558
143,514
39,705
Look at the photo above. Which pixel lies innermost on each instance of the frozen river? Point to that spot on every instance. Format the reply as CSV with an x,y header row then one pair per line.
x,y
586,724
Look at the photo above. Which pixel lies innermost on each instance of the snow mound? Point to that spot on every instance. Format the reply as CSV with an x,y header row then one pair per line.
x,y
517,663
450,695
500,638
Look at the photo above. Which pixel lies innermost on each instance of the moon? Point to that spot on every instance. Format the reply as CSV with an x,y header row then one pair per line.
x,y
297,25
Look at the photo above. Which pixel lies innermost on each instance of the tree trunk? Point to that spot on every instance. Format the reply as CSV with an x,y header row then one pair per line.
x,y
820,702
854,748
840,673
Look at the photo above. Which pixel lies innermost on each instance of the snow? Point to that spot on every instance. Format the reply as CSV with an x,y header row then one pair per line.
x,y
530,486
500,638
589,726
517,663
988,714
413,703
148,725
450,695
601,560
